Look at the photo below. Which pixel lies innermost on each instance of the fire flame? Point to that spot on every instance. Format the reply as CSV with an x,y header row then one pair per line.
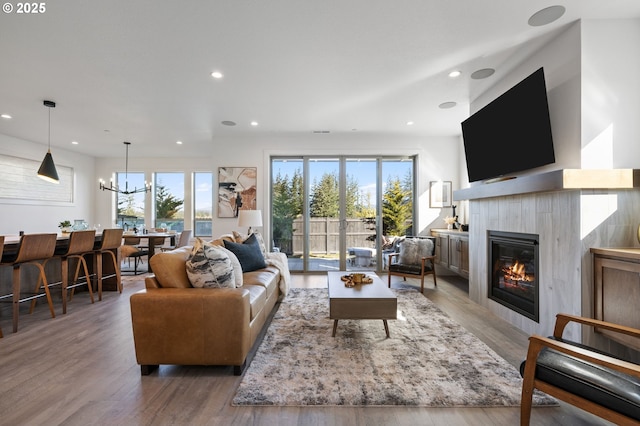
x,y
516,272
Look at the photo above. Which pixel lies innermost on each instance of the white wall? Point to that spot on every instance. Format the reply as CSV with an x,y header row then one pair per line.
x,y
561,61
32,216
611,94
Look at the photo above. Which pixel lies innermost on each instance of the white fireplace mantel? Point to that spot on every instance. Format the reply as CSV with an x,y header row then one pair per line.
x,y
557,180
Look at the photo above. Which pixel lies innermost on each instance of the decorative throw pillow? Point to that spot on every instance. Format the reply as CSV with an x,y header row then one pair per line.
x,y
237,268
258,236
209,266
248,253
412,250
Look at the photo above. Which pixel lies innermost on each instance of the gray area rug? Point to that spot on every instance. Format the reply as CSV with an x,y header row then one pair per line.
x,y
429,360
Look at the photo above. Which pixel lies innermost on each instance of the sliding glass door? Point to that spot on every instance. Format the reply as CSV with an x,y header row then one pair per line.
x,y
325,211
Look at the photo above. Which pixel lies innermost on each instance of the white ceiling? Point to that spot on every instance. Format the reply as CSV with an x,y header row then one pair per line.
x,y
140,70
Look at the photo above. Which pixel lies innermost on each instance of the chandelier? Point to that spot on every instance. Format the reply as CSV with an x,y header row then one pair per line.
x,y
116,188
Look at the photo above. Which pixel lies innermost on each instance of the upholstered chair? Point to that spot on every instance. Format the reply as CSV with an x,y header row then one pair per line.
x,y
415,259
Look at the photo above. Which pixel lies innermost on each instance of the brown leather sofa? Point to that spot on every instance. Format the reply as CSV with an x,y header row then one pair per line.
x,y
174,323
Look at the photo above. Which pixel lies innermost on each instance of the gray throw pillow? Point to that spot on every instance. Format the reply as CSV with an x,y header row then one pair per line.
x,y
248,253
209,266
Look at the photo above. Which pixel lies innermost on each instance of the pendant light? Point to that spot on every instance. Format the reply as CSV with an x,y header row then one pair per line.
x,y
47,170
116,188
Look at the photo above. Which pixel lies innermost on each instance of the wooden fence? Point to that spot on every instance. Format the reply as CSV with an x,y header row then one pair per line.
x,y
324,235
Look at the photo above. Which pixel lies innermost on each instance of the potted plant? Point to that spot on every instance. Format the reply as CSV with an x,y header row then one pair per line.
x,y
65,226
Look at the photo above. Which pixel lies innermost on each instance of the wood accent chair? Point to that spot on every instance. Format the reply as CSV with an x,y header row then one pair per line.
x,y
80,244
593,380
415,258
33,249
185,238
109,246
131,249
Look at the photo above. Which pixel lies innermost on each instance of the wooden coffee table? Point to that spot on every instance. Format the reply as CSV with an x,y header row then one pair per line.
x,y
364,301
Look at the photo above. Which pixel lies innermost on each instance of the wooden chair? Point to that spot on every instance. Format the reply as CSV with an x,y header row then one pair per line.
x,y
109,246
131,249
416,258
80,244
588,378
33,249
185,238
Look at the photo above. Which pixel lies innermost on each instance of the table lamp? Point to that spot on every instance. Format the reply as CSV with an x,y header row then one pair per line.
x,y
249,218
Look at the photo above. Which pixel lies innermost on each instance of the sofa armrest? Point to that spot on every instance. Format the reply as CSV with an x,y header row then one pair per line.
x,y
193,326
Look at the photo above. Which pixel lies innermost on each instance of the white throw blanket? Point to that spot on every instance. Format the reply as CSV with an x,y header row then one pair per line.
x,y
279,260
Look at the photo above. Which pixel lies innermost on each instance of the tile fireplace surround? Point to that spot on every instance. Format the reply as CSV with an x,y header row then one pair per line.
x,y
571,211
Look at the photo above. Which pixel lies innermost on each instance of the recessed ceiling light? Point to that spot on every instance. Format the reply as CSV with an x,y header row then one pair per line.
x,y
74,142
229,123
447,105
178,142
546,16
483,73
409,123
217,74
454,74
254,123
7,116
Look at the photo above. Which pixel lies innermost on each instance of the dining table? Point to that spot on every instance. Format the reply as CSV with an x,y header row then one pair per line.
x,y
152,241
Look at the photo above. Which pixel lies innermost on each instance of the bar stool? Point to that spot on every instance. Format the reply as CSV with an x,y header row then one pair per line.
x,y
33,249
80,243
111,241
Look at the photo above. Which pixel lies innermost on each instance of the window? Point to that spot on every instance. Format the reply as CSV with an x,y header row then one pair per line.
x,y
130,207
203,203
169,201
326,209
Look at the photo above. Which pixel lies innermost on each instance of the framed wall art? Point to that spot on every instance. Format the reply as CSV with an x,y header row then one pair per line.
x,y
439,194
236,190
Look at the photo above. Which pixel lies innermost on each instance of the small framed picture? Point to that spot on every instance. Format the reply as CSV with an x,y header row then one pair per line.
x,y
439,194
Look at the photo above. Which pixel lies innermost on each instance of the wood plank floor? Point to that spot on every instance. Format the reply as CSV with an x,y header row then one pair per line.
x,y
80,369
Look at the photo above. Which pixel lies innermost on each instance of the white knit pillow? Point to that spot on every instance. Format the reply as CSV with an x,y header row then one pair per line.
x,y
209,266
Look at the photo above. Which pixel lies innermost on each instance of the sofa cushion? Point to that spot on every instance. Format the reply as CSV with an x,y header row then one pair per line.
x,y
169,268
257,299
248,253
209,266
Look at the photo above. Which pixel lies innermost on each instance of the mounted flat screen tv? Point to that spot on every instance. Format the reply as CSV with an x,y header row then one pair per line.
x,y
512,133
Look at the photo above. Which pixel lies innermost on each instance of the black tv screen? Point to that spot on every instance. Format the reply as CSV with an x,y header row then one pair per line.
x,y
510,134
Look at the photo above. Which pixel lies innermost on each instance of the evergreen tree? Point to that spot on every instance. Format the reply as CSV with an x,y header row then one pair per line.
x,y
285,205
167,205
325,197
396,209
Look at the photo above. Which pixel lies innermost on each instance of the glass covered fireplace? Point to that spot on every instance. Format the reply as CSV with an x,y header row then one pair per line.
x,y
513,271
